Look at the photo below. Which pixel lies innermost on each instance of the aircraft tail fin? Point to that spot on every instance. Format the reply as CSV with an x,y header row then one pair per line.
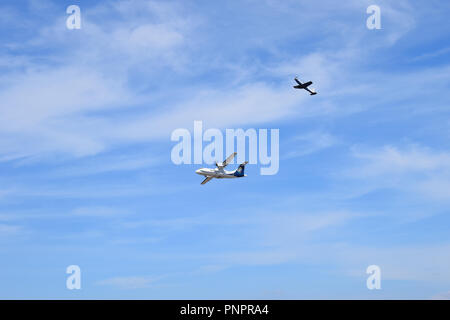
x,y
312,91
240,171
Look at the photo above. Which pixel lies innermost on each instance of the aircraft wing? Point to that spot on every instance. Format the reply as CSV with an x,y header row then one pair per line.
x,y
296,80
312,92
306,84
228,160
206,180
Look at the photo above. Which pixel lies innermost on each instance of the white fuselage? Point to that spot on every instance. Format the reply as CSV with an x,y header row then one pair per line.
x,y
216,173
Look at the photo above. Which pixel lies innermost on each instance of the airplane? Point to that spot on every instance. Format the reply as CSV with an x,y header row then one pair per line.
x,y
220,173
305,86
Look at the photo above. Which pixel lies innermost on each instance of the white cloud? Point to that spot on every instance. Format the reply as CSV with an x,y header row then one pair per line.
x,y
43,111
441,296
245,105
412,169
100,165
409,262
310,142
7,230
437,188
154,36
128,282
429,263
70,108
98,211
390,159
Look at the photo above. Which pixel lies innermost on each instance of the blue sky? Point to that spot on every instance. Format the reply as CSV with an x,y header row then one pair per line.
x,y
85,171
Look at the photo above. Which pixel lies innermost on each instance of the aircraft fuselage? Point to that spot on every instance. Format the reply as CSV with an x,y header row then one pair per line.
x,y
217,173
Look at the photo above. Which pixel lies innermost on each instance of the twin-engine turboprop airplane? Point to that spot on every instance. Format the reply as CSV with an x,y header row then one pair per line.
x,y
220,173
305,86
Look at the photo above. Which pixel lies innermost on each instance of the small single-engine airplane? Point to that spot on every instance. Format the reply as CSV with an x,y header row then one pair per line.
x,y
305,86
220,173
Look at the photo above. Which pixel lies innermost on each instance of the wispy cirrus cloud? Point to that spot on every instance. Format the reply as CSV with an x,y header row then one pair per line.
x,y
7,230
139,69
413,168
98,211
128,282
309,143
391,160
88,81
441,296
